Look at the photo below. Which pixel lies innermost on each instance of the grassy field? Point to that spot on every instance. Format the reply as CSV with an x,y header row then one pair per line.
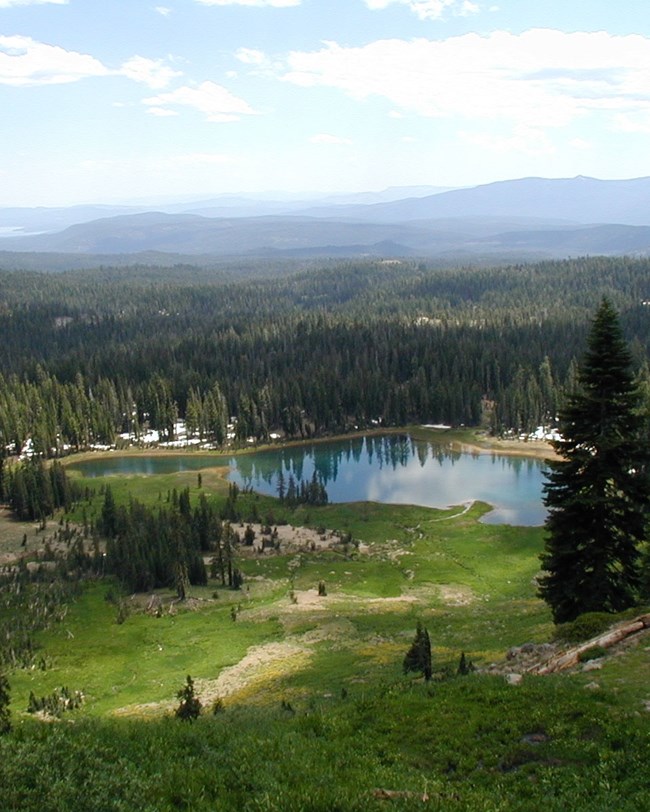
x,y
470,583
318,714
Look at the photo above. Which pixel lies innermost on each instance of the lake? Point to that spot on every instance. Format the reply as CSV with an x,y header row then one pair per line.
x,y
391,469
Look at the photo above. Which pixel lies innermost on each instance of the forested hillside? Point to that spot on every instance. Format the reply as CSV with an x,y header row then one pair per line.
x,y
88,354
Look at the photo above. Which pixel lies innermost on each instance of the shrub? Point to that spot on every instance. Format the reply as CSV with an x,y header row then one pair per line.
x,y
593,653
56,703
583,627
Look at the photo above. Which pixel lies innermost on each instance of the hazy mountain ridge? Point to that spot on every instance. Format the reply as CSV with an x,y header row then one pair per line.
x,y
580,200
530,217
31,220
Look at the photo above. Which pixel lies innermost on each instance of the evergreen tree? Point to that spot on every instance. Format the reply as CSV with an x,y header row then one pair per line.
x,y
5,714
418,657
190,705
598,493
465,666
181,579
109,514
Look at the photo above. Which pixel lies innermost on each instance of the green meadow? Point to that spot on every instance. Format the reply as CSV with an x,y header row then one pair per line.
x,y
314,711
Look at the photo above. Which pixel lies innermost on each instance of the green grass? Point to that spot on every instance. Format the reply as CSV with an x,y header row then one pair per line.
x,y
145,659
470,583
469,743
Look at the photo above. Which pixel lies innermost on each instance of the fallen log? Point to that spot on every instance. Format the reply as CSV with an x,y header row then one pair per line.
x,y
567,659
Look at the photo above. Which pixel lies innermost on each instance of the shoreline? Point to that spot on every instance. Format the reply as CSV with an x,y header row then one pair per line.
x,y
470,441
536,449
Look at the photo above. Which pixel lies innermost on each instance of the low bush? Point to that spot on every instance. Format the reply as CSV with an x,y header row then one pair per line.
x,y
583,627
593,653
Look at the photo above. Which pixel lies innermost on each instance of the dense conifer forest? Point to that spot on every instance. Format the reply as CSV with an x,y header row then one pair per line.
x,y
88,354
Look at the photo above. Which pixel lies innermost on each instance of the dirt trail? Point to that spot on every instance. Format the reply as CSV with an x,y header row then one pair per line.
x,y
261,665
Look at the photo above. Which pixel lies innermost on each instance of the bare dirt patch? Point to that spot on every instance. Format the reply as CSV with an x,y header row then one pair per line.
x,y
289,538
261,665
13,532
515,448
455,595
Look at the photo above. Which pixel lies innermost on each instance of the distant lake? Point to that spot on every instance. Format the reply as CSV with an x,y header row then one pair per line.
x,y
393,469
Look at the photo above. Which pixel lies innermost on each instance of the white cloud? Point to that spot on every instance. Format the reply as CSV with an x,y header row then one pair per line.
x,y
163,10
525,140
325,138
23,61
152,72
258,3
429,9
161,112
633,122
209,98
250,56
538,79
10,3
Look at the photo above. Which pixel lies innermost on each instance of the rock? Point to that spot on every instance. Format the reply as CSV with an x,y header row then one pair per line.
x,y
535,738
528,653
514,679
593,665
592,686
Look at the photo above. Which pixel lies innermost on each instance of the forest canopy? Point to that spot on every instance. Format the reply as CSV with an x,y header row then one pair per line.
x,y
89,354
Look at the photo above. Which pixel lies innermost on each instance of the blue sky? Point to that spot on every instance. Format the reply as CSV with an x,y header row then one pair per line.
x,y
124,100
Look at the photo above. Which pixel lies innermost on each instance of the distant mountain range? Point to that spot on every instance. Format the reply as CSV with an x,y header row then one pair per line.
x,y
42,219
519,219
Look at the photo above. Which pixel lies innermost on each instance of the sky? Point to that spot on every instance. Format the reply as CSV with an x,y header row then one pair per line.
x,y
105,101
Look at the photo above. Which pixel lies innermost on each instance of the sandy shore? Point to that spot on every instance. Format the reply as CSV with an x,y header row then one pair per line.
x,y
515,448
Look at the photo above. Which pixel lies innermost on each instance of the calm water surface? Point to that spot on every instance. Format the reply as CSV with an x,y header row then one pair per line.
x,y
392,469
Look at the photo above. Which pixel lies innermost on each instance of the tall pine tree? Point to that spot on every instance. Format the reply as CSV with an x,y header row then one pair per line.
x,y
598,493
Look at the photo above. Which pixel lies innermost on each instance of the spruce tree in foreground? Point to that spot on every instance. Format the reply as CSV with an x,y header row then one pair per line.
x,y
598,493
